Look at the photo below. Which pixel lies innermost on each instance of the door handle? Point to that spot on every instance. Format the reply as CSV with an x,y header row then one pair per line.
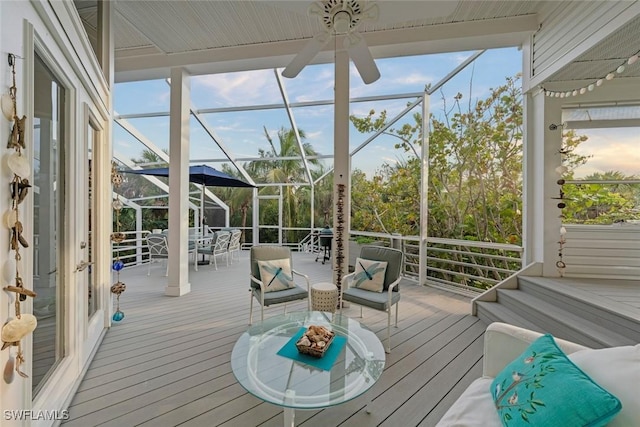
x,y
82,265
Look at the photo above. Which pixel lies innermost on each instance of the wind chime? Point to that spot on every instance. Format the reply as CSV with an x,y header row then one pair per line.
x,y
22,324
117,237
561,171
339,252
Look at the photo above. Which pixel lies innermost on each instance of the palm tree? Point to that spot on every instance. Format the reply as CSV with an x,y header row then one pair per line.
x,y
323,197
239,199
288,171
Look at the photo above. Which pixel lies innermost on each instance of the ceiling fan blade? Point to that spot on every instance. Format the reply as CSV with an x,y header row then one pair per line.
x,y
306,55
361,57
397,11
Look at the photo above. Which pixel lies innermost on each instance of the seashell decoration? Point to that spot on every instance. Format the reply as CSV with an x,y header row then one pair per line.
x,y
23,324
315,340
117,237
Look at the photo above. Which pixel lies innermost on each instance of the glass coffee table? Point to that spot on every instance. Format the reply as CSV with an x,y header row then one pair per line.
x,y
294,385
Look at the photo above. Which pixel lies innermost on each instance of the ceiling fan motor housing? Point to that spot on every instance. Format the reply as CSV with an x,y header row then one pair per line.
x,y
341,16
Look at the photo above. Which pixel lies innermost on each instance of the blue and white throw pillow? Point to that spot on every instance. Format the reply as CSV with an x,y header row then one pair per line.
x,y
369,274
276,274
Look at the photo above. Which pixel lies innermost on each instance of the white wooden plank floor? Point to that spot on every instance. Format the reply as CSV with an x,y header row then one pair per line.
x,y
168,362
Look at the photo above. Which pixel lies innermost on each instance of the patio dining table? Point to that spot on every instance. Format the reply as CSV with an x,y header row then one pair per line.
x,y
197,241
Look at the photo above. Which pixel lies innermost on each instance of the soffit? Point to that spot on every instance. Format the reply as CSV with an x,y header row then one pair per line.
x,y
218,36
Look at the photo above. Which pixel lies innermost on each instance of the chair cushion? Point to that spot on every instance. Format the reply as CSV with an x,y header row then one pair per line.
x,y
375,300
276,274
618,370
369,274
543,387
278,297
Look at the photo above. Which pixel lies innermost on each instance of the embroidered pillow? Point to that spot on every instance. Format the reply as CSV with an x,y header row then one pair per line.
x,y
276,274
542,387
369,274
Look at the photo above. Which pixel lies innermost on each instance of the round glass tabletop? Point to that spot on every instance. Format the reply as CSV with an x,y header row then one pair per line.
x,y
286,382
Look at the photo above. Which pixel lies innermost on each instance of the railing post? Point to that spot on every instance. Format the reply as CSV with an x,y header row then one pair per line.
x,y
424,191
396,241
139,235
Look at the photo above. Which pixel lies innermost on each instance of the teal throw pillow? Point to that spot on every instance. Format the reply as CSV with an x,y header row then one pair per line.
x,y
542,387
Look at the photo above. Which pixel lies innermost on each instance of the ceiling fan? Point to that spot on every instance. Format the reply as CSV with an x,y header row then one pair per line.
x,y
344,17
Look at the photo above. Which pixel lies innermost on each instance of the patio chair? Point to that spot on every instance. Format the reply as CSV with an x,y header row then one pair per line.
x,y
271,283
219,246
374,286
234,244
158,249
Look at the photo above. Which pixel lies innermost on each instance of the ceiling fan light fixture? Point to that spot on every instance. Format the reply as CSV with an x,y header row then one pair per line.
x,y
342,22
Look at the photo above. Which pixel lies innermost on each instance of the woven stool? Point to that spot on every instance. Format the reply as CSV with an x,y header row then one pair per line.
x,y
324,297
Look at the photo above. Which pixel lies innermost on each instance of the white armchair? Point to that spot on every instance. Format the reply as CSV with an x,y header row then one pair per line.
x,y
259,287
219,247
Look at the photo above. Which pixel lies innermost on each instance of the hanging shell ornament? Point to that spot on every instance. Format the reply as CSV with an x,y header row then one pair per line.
x,y
118,288
116,179
16,139
116,205
16,329
9,370
118,237
19,189
7,106
18,164
10,218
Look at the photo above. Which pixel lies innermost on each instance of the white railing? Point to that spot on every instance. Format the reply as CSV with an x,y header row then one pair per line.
x,y
133,249
460,265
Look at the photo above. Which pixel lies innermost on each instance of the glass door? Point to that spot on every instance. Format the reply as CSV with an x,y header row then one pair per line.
x,y
93,135
49,238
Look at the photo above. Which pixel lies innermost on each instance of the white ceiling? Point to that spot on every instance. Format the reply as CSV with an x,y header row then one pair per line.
x,y
221,36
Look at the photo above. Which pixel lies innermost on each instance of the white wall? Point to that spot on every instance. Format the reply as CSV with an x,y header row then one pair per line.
x,y
54,26
603,251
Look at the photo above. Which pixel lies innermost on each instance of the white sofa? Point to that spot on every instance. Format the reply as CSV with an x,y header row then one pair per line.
x,y
616,369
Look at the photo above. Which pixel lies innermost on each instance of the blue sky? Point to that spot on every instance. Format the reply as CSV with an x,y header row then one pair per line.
x,y
243,134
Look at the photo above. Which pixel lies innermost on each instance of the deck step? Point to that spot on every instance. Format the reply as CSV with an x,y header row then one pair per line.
x,y
567,309
495,312
603,311
555,319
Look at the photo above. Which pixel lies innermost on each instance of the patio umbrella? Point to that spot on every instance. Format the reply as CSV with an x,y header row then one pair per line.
x,y
200,174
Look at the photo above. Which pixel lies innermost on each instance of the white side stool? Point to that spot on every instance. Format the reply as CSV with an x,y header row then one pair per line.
x,y
324,297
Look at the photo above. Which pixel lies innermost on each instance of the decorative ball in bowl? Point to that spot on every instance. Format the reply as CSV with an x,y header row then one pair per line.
x,y
315,341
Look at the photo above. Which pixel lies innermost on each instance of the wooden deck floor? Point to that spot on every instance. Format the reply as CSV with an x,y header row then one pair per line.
x,y
168,362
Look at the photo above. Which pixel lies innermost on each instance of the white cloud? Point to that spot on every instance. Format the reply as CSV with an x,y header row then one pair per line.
x,y
315,135
241,87
459,58
611,150
389,160
413,79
